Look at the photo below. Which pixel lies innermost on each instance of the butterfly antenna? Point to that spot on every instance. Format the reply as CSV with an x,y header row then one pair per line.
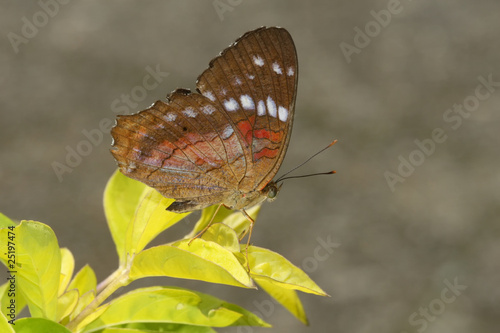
x,y
308,175
283,177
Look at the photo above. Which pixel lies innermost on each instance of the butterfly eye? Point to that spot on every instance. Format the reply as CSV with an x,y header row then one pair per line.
x,y
272,193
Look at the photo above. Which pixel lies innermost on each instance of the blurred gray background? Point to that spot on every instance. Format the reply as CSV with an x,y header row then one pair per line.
x,y
412,232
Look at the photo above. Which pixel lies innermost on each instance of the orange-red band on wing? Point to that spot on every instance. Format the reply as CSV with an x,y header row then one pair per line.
x,y
266,152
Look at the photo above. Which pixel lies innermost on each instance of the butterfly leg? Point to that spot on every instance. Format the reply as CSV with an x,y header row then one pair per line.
x,y
244,233
208,225
249,231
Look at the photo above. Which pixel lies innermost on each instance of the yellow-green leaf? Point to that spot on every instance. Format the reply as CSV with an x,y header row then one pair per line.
x,y
6,222
39,325
83,301
90,318
286,297
219,255
222,235
67,267
7,294
207,215
5,326
66,304
206,261
157,327
151,218
38,266
238,222
84,281
121,198
274,268
173,305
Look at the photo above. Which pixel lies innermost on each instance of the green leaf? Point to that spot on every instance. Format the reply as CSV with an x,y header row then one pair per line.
x,y
286,297
274,268
223,235
5,326
121,198
66,304
151,218
67,267
6,295
39,325
84,281
238,222
90,318
202,260
38,266
157,327
136,214
83,301
6,222
173,305
216,254
206,216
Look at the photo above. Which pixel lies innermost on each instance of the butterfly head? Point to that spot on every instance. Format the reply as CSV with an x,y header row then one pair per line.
x,y
271,191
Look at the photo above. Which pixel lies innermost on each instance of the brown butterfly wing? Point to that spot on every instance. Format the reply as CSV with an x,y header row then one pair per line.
x,y
255,81
185,149
201,149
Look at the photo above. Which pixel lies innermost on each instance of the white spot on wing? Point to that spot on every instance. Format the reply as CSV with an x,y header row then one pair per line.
x,y
250,76
231,105
131,167
258,61
290,71
227,132
247,102
189,112
271,107
277,68
261,108
170,116
282,113
208,109
223,92
237,81
209,95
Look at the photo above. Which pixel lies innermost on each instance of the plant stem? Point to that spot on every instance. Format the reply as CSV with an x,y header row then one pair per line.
x,y
115,281
104,283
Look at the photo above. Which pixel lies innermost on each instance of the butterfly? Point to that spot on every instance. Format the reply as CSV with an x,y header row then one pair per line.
x,y
224,143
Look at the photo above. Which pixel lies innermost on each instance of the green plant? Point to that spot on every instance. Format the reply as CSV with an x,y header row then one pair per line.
x,y
42,273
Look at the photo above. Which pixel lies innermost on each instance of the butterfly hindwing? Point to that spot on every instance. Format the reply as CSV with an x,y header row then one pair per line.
x,y
179,148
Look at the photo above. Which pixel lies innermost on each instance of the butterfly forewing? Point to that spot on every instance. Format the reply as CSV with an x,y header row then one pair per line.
x,y
202,148
254,81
